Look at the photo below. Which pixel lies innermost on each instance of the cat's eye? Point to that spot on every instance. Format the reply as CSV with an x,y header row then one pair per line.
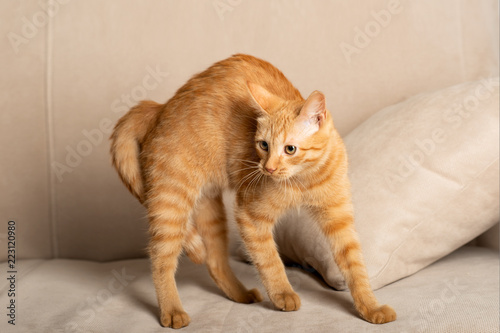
x,y
263,145
290,150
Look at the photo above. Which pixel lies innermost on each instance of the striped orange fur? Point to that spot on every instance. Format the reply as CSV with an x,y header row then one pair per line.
x,y
238,125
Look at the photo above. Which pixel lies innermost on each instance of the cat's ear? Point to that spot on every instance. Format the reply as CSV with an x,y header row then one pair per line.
x,y
314,109
263,98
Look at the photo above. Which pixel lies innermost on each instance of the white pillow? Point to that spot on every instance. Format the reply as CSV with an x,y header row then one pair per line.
x,y
425,181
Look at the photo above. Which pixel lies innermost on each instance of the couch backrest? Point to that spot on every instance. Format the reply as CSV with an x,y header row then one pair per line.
x,y
72,68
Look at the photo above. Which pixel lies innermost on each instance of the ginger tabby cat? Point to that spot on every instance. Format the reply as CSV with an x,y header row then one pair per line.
x,y
238,125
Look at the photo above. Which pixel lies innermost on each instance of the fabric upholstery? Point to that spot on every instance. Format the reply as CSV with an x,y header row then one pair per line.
x,y
82,296
67,79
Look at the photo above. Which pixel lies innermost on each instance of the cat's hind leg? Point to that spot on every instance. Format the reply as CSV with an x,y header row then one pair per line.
x,y
193,244
169,208
210,221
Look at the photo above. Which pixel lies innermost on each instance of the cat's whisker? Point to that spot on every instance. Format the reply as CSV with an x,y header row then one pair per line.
x,y
246,178
248,186
249,164
247,161
285,188
298,183
258,180
301,183
239,170
253,184
240,183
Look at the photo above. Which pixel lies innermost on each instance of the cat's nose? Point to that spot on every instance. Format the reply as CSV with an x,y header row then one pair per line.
x,y
270,170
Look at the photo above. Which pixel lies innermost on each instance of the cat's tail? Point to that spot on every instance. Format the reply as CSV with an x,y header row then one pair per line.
x,y
126,139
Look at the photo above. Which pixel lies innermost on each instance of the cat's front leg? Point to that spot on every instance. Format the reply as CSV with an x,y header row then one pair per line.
x,y
337,223
256,231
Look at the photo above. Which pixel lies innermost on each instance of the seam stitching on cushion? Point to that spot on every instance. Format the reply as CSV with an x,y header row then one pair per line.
x,y
50,133
460,9
423,220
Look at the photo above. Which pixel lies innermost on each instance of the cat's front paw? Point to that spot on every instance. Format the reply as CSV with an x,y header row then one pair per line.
x,y
380,315
286,301
175,319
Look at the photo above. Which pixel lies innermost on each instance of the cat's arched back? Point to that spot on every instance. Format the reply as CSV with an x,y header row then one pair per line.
x,y
242,125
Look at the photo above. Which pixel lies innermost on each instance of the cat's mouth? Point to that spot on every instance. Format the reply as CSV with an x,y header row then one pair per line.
x,y
276,175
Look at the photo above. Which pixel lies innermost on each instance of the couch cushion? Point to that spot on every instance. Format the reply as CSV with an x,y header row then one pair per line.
x,y
119,296
425,181
69,81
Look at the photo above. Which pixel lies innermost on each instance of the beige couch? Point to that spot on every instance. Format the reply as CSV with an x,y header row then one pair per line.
x,y
72,68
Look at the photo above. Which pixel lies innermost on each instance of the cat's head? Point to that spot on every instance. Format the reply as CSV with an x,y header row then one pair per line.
x,y
292,136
